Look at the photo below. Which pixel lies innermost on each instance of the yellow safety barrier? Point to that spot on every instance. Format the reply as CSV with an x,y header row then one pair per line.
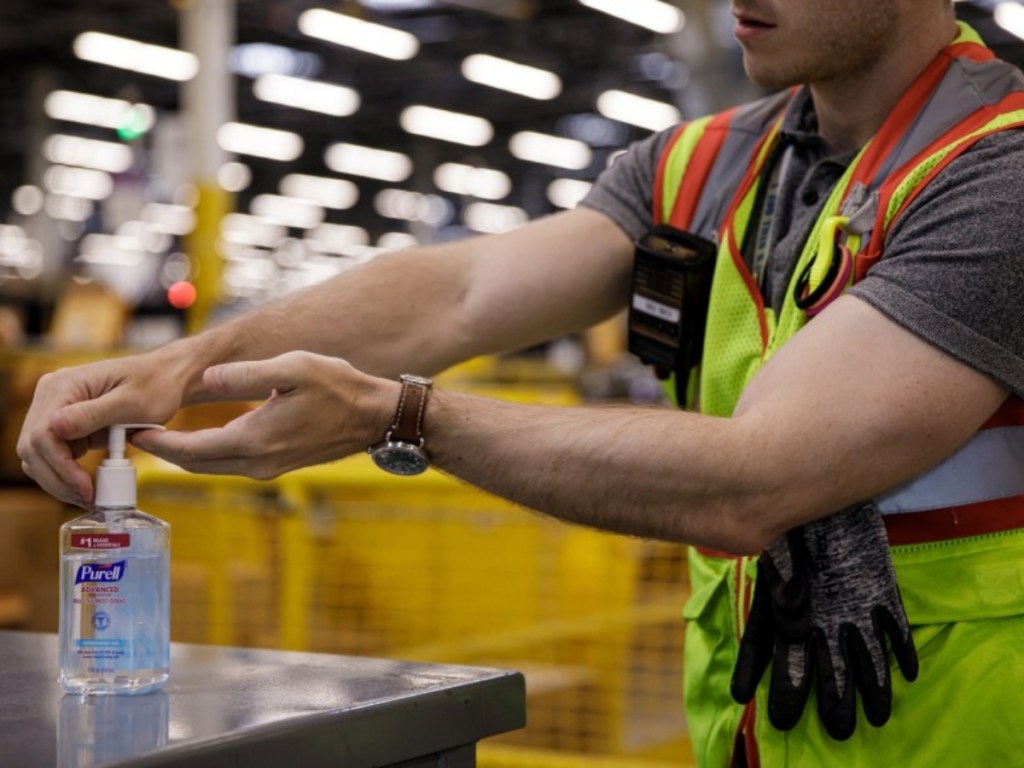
x,y
343,558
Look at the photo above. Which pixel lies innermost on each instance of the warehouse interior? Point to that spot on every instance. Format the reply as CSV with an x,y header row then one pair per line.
x,y
129,216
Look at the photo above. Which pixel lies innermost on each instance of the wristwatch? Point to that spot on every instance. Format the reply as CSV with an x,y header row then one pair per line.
x,y
401,451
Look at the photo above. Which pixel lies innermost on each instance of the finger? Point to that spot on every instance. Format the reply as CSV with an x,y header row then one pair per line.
x,y
219,451
836,698
865,668
59,474
791,684
84,419
901,640
756,646
251,380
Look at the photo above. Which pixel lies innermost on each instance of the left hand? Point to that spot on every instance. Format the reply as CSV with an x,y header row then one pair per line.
x,y
316,409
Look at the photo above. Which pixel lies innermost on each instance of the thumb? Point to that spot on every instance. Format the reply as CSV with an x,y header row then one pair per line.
x,y
79,420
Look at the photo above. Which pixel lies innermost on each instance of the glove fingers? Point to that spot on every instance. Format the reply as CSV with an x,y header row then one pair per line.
x,y
901,640
875,694
755,651
790,686
836,698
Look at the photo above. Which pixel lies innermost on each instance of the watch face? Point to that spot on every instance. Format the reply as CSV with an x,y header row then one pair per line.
x,y
401,458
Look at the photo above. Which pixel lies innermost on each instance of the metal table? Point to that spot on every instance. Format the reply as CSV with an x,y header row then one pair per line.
x,y
248,708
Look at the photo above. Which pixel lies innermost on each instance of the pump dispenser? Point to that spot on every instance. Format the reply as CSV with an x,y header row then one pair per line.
x,y
115,587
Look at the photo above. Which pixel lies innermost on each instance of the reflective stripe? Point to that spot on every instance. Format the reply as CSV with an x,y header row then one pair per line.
x,y
990,466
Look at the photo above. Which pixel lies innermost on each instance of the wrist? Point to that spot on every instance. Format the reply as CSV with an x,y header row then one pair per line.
x,y
402,447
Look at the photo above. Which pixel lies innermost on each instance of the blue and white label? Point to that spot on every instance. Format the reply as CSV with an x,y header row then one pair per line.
x,y
100,572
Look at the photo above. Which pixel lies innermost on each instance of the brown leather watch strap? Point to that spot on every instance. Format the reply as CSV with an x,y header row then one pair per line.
x,y
412,404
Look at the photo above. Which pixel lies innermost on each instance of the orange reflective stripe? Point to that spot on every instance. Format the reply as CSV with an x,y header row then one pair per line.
x,y
977,519
698,169
659,178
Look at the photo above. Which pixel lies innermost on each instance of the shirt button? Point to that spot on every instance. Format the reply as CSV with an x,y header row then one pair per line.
x,y
810,197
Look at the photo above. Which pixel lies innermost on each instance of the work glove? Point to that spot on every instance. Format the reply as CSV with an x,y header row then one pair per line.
x,y
825,602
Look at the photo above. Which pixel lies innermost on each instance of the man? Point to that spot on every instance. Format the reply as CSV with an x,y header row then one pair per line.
x,y
886,384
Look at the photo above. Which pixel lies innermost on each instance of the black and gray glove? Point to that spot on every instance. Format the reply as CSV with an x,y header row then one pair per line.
x,y
824,604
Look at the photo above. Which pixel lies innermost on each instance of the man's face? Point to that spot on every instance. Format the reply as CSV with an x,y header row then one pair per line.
x,y
787,42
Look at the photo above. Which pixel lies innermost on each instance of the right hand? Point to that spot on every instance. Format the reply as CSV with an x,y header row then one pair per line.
x,y
73,407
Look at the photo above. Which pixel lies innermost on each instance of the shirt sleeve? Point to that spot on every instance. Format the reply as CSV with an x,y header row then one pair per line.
x,y
953,267
625,190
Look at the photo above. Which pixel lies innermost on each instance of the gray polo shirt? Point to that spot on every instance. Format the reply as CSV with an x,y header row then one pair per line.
x,y
953,266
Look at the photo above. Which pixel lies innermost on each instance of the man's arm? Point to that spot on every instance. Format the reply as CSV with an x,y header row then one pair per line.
x,y
851,406
418,310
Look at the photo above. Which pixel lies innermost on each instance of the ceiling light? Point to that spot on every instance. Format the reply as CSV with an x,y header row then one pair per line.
x,y
1010,16
78,182
287,211
27,200
259,142
395,241
336,238
650,14
128,54
234,177
68,207
447,126
462,179
566,193
243,229
169,219
296,92
88,109
88,153
550,150
413,206
366,161
255,59
510,76
365,36
636,110
488,217
330,193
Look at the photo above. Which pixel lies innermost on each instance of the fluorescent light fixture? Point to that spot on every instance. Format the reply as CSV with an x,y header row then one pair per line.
x,y
650,14
372,163
87,153
88,109
550,150
115,250
413,206
78,182
462,179
330,193
488,217
169,219
287,211
566,193
510,76
636,110
297,92
123,53
27,200
255,59
243,229
68,207
448,126
1010,16
336,238
254,140
234,176
364,36
395,241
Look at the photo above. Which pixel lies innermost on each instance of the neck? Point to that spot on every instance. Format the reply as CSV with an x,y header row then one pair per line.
x,y
850,110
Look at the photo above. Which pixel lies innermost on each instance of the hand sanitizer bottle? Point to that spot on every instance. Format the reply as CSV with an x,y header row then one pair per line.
x,y
115,587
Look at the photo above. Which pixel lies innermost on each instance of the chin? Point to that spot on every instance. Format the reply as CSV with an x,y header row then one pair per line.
x,y
772,78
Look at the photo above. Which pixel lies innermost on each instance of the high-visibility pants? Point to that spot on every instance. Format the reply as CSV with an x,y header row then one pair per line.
x,y
965,602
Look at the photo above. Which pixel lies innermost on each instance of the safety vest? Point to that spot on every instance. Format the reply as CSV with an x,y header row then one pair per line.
x,y
707,183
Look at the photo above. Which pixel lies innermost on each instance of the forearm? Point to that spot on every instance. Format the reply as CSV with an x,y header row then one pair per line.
x,y
649,472
422,310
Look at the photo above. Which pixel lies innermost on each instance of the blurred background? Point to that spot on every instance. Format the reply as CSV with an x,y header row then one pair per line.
x,y
165,164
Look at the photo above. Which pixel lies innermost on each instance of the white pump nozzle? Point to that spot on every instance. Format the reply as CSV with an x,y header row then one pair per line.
x,y
115,477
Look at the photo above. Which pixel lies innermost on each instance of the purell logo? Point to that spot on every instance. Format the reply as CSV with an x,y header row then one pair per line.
x,y
100,572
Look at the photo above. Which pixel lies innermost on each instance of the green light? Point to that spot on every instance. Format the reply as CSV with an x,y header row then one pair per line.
x,y
134,123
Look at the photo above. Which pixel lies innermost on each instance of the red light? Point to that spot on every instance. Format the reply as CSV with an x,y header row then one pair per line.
x,y
181,295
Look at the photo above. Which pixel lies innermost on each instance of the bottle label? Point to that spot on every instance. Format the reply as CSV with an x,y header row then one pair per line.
x,y
100,540
100,572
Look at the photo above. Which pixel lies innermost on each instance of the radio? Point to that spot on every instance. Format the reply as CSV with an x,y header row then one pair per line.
x,y
672,272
